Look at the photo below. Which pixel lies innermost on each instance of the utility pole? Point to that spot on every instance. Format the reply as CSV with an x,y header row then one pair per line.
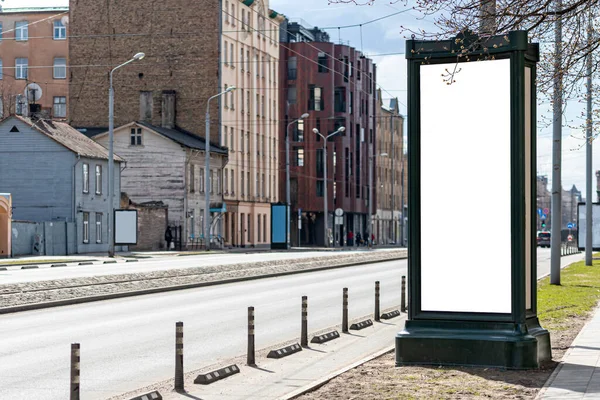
x,y
393,176
556,154
588,153
487,21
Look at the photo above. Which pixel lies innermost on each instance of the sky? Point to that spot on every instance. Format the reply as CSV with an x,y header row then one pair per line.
x,y
384,37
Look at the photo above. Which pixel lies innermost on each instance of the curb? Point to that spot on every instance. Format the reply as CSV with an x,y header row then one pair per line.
x,y
43,263
317,384
110,296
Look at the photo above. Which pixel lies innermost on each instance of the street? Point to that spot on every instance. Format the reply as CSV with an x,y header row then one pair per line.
x,y
129,343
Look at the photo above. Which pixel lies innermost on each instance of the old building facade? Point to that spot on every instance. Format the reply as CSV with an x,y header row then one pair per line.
x,y
389,179
33,61
335,84
197,50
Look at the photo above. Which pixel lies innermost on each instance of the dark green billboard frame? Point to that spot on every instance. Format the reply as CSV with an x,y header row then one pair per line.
x,y
512,340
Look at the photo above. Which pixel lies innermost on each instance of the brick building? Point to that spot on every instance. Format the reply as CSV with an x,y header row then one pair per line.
x,y
388,177
33,61
195,49
335,84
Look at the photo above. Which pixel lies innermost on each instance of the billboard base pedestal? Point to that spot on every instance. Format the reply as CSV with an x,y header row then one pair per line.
x,y
471,343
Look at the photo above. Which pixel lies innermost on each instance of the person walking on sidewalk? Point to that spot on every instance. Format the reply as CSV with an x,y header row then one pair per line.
x,y
168,238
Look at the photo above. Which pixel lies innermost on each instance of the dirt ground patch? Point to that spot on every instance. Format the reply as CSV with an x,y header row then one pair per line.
x,y
379,379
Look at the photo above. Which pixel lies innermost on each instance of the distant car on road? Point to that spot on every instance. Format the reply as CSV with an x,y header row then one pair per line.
x,y
543,239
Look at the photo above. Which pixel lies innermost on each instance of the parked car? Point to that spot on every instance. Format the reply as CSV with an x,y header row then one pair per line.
x,y
543,239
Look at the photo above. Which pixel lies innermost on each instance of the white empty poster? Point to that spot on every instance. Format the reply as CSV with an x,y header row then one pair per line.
x,y
465,188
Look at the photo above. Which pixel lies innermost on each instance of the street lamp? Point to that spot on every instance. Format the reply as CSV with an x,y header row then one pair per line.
x,y
325,212
111,156
287,177
370,216
207,168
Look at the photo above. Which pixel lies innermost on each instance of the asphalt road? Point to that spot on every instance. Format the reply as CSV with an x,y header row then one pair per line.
x,y
156,264
129,343
543,264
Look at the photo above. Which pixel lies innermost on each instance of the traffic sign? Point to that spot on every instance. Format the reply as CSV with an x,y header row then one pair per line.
x,y
570,238
339,220
546,211
339,212
543,217
570,225
540,212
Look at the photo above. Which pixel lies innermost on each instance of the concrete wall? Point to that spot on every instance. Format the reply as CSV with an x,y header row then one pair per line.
x,y
55,238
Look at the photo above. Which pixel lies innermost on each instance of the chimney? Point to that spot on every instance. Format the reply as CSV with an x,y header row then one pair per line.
x,y
146,106
168,109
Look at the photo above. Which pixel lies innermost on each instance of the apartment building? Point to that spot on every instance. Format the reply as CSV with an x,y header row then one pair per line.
x,y
389,181
196,49
335,84
33,61
250,55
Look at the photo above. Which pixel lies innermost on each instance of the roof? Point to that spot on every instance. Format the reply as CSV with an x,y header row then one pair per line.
x,y
32,9
69,137
183,137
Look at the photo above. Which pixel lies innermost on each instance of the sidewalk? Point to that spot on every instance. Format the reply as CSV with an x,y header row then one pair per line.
x,y
578,375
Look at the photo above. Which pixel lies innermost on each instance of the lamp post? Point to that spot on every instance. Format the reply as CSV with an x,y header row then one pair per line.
x,y
111,156
325,212
370,216
207,187
287,176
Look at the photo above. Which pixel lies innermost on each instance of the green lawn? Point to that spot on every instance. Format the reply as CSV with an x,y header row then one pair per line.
x,y
577,295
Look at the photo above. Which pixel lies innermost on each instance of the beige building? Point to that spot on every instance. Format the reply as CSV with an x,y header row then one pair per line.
x,y
389,182
250,56
33,61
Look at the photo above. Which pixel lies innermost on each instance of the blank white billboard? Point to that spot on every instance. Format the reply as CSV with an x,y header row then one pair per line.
x,y
125,227
582,229
466,188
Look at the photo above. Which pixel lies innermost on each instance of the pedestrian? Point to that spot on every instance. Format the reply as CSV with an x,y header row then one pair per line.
x,y
358,239
168,237
350,238
372,239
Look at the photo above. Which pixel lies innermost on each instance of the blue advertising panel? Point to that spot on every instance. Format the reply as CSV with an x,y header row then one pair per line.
x,y
278,226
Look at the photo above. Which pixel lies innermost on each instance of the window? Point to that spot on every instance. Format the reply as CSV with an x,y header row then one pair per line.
x,y
292,70
248,101
319,161
299,156
225,99
212,181
322,59
265,227
248,60
60,68
136,137
291,98
59,107
299,131
86,227
320,190
316,101
226,11
242,58
262,106
86,178
201,180
232,183
60,31
258,227
21,30
98,227
21,68
231,55
231,97
231,139
232,14
225,181
257,104
225,132
98,179
242,183
350,103
242,99
339,99
243,19
225,52
192,181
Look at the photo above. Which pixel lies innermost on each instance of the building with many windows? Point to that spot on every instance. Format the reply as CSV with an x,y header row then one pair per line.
x,y
196,50
335,84
33,61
